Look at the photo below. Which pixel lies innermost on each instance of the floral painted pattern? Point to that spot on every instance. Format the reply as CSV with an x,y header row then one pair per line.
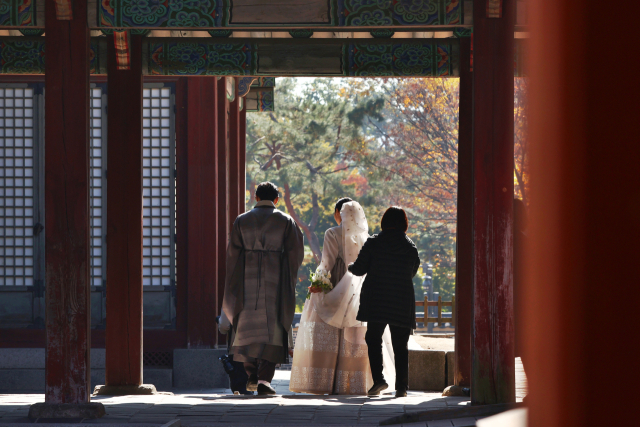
x,y
404,59
22,57
161,13
213,59
396,12
264,82
436,58
17,13
217,13
28,56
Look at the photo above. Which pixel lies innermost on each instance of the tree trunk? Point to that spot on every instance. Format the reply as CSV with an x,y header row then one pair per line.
x,y
314,244
252,194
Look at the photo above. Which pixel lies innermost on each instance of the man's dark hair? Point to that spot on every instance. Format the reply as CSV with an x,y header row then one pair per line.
x,y
395,218
267,191
341,202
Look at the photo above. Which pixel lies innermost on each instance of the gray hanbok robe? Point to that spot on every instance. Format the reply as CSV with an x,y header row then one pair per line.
x,y
266,249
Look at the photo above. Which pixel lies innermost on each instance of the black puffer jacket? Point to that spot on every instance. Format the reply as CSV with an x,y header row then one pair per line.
x,y
390,260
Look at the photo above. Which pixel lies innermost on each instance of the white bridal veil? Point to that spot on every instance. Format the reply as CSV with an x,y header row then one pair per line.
x,y
339,307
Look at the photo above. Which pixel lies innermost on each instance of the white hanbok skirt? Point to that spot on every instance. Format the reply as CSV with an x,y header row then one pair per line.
x,y
330,360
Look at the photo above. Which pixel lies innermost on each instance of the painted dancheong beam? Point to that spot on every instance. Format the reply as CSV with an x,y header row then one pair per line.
x,y
260,95
211,14
18,13
248,14
264,58
395,57
264,82
260,99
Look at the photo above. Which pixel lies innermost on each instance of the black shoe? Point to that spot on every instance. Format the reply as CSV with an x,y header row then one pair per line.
x,y
252,384
265,390
401,392
377,388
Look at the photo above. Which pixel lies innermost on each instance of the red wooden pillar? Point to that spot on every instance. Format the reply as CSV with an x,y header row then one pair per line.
x,y
182,212
242,160
234,158
67,208
464,233
493,363
124,221
202,224
226,89
582,265
68,319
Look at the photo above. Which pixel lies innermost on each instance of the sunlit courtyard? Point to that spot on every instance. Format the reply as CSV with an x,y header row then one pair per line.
x,y
217,407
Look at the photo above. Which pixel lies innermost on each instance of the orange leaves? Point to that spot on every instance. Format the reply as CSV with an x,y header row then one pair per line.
x,y
358,181
521,160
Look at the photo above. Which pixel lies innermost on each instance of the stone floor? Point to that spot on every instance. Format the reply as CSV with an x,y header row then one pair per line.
x,y
220,408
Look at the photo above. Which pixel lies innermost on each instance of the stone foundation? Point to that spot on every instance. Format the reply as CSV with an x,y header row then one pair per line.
x,y
67,410
125,390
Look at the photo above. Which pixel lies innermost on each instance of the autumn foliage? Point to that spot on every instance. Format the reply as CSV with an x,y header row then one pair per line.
x,y
381,141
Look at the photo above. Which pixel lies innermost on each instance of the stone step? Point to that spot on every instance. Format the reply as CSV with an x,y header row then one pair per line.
x,y
20,380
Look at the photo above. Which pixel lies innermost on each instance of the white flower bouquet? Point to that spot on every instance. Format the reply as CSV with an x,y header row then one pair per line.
x,y
320,282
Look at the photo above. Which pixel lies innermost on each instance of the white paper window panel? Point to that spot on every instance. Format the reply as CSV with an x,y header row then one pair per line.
x,y
17,191
97,189
158,154
158,186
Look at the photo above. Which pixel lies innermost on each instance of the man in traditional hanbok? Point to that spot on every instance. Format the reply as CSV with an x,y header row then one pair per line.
x,y
266,249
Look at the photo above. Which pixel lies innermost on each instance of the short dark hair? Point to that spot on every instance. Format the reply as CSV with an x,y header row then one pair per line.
x,y
395,217
267,191
341,202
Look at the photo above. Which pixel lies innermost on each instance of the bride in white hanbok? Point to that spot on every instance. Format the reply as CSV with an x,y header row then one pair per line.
x,y
330,355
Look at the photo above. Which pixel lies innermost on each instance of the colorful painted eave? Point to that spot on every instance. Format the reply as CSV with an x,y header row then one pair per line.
x,y
443,15
263,58
19,13
213,14
339,58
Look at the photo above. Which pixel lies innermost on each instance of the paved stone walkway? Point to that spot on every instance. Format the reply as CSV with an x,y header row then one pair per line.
x,y
218,407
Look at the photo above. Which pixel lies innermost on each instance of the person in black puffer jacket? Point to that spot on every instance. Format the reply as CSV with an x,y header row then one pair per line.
x,y
390,260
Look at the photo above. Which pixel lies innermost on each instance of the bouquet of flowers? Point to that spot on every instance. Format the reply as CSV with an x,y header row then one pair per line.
x,y
320,282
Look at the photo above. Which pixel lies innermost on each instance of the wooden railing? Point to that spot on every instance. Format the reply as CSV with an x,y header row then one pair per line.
x,y
440,320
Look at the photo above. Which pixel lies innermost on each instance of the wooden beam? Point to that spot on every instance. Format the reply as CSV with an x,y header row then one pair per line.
x,y
280,12
124,220
202,201
493,363
68,320
262,57
14,49
244,15
464,227
305,57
